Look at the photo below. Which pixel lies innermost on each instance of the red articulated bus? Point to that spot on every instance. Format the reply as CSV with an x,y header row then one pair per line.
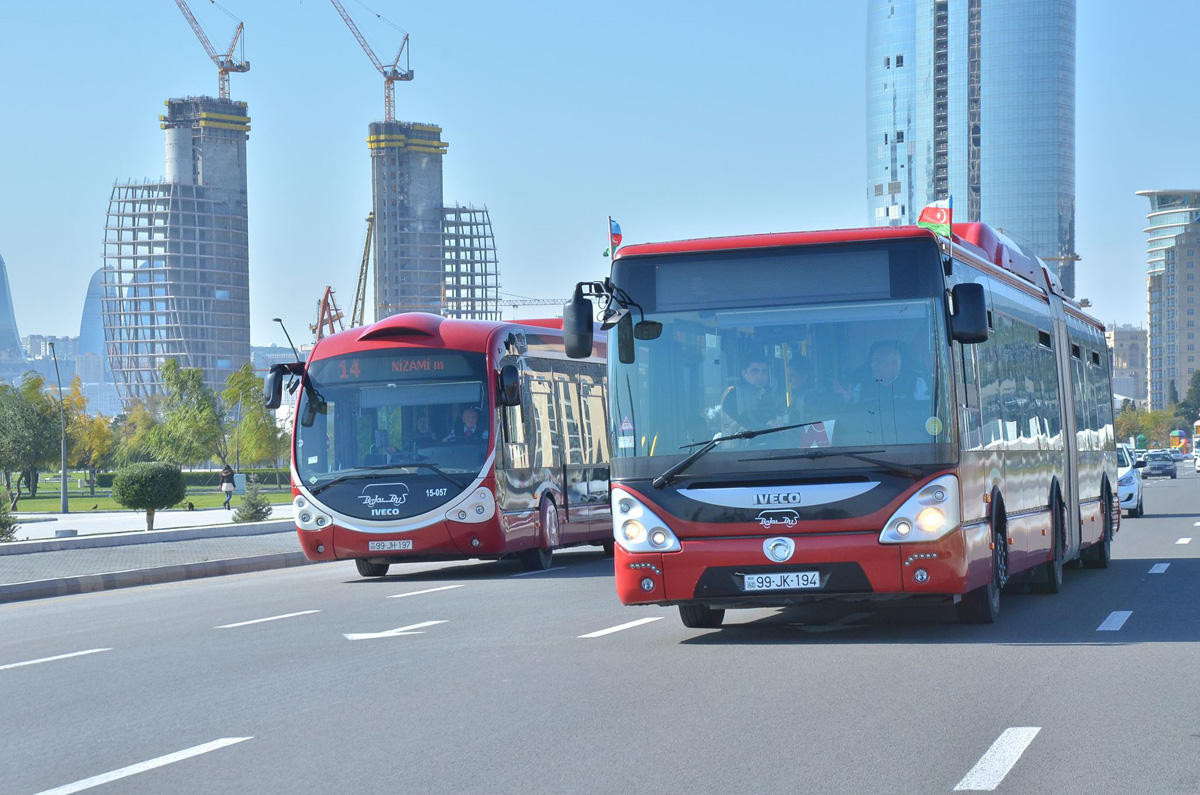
x,y
425,438
853,414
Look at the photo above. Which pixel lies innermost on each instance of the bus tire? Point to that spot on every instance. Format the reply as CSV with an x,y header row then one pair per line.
x,y
541,557
700,616
1049,576
368,569
608,547
1098,555
982,605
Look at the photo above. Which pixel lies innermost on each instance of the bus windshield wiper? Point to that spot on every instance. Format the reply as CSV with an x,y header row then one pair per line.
x,y
888,466
369,471
670,474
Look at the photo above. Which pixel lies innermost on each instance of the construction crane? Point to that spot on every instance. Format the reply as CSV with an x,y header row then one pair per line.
x,y
225,63
390,73
329,317
360,293
515,301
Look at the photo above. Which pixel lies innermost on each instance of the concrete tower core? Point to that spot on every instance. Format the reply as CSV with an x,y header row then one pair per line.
x,y
406,181
176,266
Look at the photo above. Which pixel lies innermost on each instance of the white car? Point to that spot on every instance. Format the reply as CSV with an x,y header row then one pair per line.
x,y
1129,482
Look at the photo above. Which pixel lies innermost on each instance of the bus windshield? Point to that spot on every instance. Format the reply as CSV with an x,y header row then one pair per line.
x,y
863,377
387,410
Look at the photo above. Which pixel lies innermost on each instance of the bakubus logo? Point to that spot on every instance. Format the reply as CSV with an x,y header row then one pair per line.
x,y
384,499
785,517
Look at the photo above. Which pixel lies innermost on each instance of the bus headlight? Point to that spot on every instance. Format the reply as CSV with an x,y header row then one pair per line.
x,y
307,516
639,529
928,515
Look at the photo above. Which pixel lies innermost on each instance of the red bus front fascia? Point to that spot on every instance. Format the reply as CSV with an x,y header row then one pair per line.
x,y
852,561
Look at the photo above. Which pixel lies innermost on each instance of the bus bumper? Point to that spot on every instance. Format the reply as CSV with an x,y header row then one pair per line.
x,y
437,541
849,565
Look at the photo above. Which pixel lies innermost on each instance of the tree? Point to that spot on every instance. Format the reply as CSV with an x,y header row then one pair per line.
x,y
253,435
8,522
149,486
254,507
133,432
192,430
29,433
92,440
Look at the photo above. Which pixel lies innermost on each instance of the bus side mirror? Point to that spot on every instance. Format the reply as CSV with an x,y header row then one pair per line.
x,y
273,390
647,330
577,327
968,324
625,333
509,386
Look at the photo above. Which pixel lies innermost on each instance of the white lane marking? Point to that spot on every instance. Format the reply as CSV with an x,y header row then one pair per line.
x,y
142,767
620,627
539,571
1195,524
1159,568
1184,541
995,763
271,618
427,590
51,659
1116,619
392,633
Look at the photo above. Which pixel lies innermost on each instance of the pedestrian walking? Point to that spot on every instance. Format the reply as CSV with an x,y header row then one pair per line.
x,y
227,483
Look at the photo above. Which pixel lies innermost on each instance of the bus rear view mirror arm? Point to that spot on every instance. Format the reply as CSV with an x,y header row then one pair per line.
x,y
968,323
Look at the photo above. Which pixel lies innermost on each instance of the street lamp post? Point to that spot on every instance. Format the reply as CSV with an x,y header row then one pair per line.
x,y
62,418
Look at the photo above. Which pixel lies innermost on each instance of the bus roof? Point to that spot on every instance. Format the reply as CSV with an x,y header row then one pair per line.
x,y
422,329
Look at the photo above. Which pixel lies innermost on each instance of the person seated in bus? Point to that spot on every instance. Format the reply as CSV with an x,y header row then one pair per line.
x,y
884,377
422,435
468,428
751,403
809,404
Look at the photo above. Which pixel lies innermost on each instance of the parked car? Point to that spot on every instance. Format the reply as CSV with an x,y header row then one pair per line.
x,y
1196,461
1129,482
1160,463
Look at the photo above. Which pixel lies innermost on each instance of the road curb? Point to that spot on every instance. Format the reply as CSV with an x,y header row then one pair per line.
x,y
152,537
65,586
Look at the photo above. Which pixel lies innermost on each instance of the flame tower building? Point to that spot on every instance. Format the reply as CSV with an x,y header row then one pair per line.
x,y
176,264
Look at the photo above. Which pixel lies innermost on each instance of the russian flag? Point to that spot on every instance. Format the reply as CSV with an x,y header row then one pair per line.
x,y
614,234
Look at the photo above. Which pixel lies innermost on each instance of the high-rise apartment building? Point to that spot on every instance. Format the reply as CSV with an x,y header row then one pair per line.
x,y
471,271
176,265
1172,292
975,99
1127,346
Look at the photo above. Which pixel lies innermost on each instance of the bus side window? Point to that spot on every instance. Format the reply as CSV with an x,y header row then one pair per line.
x,y
545,424
568,403
513,419
595,427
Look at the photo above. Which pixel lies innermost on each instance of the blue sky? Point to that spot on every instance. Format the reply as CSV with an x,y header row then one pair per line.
x,y
680,119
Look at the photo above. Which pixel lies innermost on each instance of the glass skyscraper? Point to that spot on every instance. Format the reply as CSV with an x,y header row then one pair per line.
x,y
975,99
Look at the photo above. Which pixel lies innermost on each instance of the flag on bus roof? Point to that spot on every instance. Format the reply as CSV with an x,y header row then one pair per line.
x,y
938,216
614,233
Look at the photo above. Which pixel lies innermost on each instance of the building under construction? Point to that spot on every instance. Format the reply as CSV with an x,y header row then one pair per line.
x,y
472,274
176,266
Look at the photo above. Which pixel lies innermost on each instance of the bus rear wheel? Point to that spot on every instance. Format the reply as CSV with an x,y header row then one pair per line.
x,y
368,569
1050,573
700,616
1099,554
541,557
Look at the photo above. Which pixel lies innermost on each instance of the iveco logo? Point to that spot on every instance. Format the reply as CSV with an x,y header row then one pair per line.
x,y
777,498
779,549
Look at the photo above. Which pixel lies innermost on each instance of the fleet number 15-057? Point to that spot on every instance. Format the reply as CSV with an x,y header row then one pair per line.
x,y
435,492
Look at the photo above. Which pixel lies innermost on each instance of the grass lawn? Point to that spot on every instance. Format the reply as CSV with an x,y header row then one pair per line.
x,y
49,501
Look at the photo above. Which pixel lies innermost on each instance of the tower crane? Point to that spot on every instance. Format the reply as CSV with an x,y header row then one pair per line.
x,y
225,63
390,73
360,293
329,317
515,301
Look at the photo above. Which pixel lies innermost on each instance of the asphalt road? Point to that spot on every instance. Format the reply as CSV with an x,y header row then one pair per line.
x,y
477,678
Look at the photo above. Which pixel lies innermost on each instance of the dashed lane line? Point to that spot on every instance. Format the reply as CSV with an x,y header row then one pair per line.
x,y
998,760
619,627
427,590
141,767
1185,540
1116,619
269,618
51,659
411,629
1159,568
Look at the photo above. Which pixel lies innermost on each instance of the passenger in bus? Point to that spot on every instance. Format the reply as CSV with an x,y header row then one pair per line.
x,y
751,404
468,429
885,376
422,434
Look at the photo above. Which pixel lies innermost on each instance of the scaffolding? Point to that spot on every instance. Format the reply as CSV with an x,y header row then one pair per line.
x,y
472,277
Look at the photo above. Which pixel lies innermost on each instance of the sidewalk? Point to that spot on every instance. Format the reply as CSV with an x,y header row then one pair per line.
x,y
113,550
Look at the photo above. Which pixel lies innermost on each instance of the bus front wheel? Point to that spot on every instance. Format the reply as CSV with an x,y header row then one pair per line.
x,y
700,616
368,569
541,557
982,605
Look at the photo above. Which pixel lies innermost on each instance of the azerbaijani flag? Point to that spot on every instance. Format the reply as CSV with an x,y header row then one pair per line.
x,y
938,217
614,233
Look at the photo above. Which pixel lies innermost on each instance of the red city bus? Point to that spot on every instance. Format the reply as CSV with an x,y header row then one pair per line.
x,y
853,414
424,438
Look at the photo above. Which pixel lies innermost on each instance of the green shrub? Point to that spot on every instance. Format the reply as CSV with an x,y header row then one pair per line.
x,y
209,479
149,486
254,506
8,522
